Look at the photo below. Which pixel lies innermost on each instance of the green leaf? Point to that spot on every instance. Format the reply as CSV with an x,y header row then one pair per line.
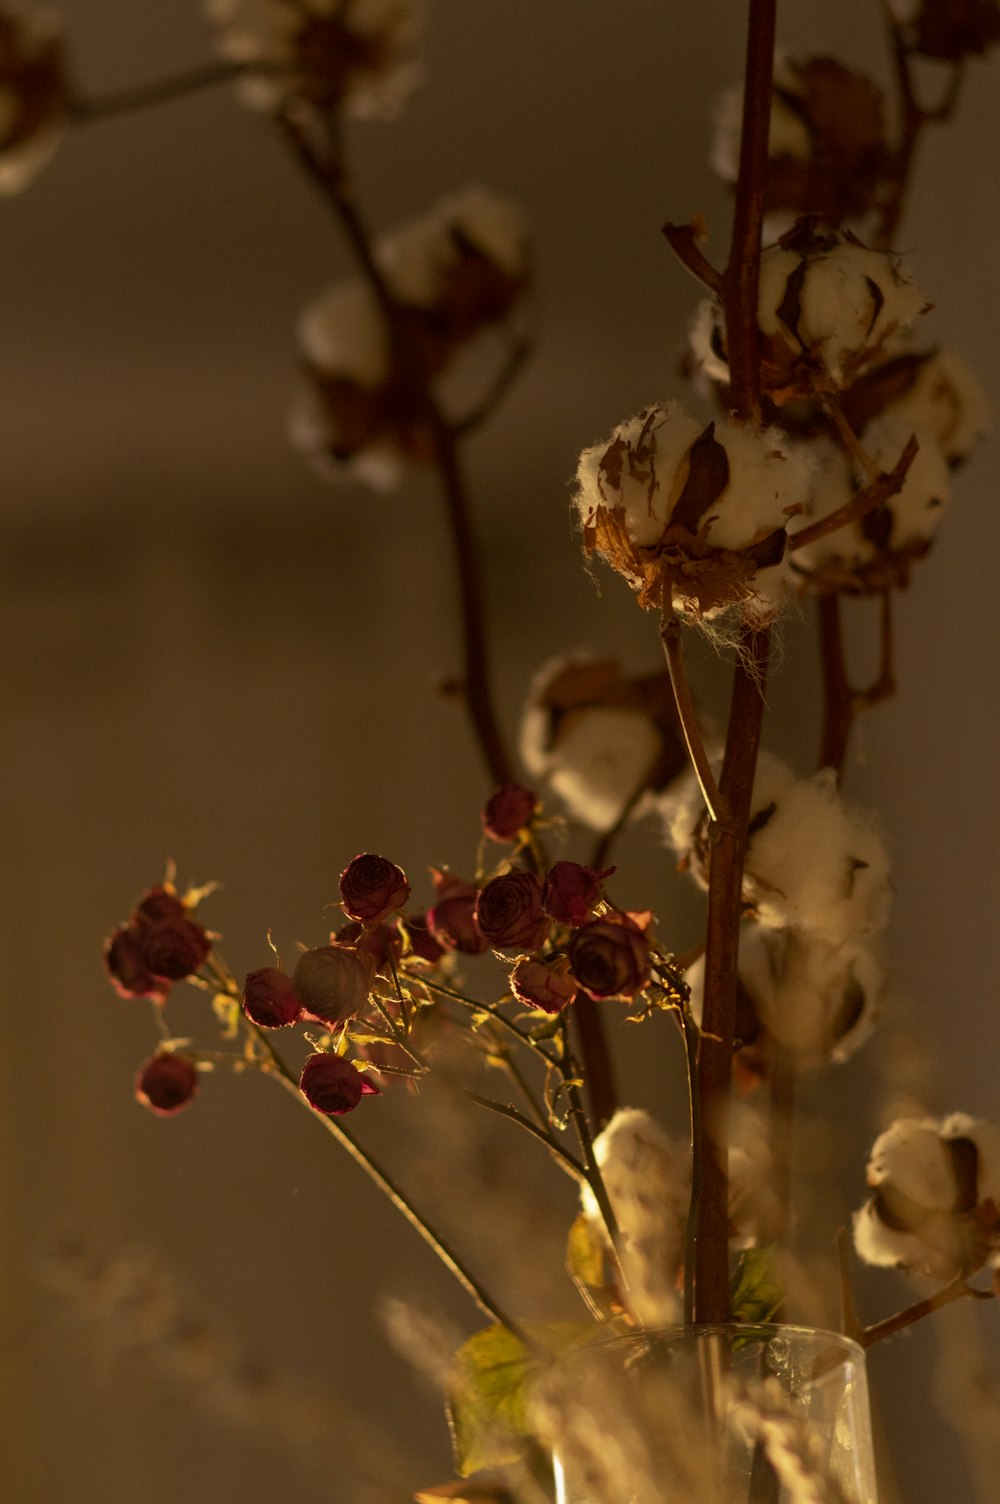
x,y
758,1289
488,1403
585,1255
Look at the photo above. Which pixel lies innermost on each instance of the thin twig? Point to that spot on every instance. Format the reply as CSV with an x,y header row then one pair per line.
x,y
84,111
861,503
849,1310
275,1066
519,354
957,1290
683,241
505,1110
670,636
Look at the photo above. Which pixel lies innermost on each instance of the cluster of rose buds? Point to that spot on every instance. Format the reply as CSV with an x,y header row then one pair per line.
x,y
34,95
159,945
600,738
354,56
935,1207
694,515
451,275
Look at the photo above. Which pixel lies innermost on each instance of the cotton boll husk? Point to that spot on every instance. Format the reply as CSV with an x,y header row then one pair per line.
x,y
705,340
825,1000
603,756
343,333
882,1246
648,1180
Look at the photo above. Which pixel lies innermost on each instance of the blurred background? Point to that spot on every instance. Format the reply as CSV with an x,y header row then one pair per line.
x,y
211,655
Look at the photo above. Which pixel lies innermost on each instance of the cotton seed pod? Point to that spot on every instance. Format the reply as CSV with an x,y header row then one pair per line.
x,y
816,999
827,306
827,150
933,391
936,1207
599,738
947,29
878,552
356,56
813,862
648,1180
34,95
692,516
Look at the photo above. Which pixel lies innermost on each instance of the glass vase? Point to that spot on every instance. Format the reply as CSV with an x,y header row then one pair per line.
x,y
712,1415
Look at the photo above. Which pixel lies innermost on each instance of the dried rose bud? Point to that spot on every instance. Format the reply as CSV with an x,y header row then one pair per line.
x,y
539,986
127,968
571,890
331,1084
452,920
173,947
508,811
333,982
509,912
159,903
371,887
610,957
382,942
423,946
167,1083
270,999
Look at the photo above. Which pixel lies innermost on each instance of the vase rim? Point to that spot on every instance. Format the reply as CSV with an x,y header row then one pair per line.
x,y
764,1329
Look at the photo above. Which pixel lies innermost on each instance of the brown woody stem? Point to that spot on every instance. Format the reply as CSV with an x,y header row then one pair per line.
x,y
84,111
874,495
683,241
710,1237
957,1290
598,1070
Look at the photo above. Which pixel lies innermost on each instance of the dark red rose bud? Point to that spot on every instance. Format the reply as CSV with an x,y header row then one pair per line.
x,y
160,903
571,890
508,811
371,887
452,920
423,946
382,942
127,968
270,999
509,912
610,957
174,947
541,986
167,1083
333,982
331,1084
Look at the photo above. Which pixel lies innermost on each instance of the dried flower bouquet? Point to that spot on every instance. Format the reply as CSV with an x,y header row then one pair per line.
x,y
807,462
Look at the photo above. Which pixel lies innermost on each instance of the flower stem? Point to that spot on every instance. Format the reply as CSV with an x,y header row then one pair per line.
x,y
869,1335
84,111
670,636
275,1066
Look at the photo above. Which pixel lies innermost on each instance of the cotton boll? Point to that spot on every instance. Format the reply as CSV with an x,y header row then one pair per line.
x,y
986,1139
599,736
812,863
883,1246
496,226
788,134
635,471
344,333
647,1176
769,481
947,404
827,308
825,999
605,756
911,1157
